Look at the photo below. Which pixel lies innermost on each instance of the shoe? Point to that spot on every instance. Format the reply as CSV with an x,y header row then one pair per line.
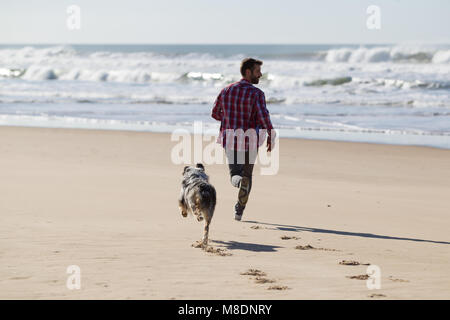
x,y
238,212
236,181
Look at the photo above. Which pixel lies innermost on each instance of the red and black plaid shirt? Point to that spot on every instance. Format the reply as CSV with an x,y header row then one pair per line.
x,y
241,105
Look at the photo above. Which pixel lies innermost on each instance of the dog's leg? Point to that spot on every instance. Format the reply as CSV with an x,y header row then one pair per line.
x,y
197,210
181,204
182,208
206,231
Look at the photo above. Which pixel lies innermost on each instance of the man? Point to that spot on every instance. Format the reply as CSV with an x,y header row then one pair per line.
x,y
241,109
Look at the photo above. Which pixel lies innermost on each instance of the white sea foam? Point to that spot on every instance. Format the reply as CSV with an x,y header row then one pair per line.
x,y
388,54
442,56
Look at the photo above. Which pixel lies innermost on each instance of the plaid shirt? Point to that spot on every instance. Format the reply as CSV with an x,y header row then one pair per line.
x,y
241,106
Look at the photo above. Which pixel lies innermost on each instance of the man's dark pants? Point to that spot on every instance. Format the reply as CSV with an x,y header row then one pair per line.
x,y
241,163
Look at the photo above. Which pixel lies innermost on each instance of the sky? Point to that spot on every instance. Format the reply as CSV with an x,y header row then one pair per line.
x,y
224,22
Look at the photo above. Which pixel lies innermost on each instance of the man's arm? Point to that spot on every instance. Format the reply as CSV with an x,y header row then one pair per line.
x,y
217,110
263,119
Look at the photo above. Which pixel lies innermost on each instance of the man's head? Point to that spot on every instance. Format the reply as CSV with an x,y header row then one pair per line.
x,y
251,70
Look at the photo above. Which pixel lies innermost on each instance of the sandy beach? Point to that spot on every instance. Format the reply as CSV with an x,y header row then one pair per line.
x,y
106,201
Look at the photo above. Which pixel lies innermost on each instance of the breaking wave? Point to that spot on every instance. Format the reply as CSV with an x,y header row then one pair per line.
x,y
388,54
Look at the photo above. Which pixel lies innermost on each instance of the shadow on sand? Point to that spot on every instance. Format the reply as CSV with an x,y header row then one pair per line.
x,y
236,245
342,233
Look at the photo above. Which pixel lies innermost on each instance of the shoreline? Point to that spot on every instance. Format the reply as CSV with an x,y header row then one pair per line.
x,y
163,129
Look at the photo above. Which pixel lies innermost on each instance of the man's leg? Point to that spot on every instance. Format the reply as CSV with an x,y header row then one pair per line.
x,y
246,184
235,166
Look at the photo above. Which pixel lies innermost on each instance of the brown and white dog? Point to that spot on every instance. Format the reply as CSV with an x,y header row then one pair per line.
x,y
198,197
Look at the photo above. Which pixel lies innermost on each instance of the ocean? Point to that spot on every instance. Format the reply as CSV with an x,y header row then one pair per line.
x,y
393,94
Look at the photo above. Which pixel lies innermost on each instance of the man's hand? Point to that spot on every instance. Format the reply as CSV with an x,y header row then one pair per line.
x,y
271,140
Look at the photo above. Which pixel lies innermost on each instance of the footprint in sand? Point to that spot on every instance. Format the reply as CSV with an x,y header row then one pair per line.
x,y
307,247
260,278
216,251
254,272
278,288
310,247
264,280
198,244
397,280
289,238
376,295
353,263
256,227
359,277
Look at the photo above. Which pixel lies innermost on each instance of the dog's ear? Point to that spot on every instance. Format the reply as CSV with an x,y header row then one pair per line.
x,y
184,170
200,166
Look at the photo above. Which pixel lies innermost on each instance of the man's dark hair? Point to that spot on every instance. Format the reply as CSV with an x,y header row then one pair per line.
x,y
249,63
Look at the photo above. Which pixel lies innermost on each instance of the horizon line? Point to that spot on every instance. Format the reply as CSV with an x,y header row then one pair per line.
x,y
225,44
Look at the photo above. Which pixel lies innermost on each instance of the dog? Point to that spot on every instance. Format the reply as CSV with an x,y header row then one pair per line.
x,y
197,197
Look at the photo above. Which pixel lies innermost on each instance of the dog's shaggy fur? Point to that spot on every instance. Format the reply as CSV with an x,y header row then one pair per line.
x,y
198,197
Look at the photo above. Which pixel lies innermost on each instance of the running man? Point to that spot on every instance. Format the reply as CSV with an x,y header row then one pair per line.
x,y
241,109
